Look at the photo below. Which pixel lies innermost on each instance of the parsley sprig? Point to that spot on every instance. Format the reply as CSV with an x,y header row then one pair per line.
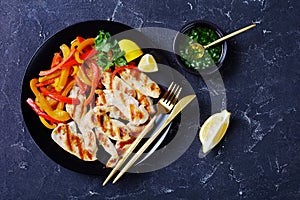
x,y
110,53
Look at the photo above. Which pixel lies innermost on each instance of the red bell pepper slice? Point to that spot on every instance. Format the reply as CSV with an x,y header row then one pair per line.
x,y
46,82
69,61
95,80
80,39
89,54
56,60
59,97
38,111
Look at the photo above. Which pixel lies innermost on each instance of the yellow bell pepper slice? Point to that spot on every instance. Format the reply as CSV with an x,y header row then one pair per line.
x,y
77,57
75,70
65,50
65,71
65,92
50,76
57,114
63,79
81,46
85,43
74,44
49,126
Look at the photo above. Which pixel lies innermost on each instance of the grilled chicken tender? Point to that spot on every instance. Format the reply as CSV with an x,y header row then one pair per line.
x,y
116,83
67,137
112,111
109,147
122,146
112,128
76,111
129,106
105,128
146,101
102,107
140,82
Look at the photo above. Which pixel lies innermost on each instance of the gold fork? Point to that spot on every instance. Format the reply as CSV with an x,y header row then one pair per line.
x,y
164,105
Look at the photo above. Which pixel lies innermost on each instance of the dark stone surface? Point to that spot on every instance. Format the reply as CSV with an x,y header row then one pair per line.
x,y
257,159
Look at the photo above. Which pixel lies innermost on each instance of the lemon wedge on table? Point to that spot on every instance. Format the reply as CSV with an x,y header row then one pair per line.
x,y
213,130
147,64
131,49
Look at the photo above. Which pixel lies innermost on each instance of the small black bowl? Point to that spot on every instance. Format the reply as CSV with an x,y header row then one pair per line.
x,y
179,38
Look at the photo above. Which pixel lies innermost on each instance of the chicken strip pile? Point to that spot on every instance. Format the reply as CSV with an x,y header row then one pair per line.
x,y
122,109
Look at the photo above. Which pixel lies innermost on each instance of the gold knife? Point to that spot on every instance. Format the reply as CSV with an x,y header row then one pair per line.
x,y
182,103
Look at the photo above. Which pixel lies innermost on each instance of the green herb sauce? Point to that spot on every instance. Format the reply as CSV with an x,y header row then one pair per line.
x,y
203,36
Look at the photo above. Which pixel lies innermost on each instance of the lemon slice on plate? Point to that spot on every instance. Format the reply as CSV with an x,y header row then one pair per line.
x,y
147,64
213,130
132,50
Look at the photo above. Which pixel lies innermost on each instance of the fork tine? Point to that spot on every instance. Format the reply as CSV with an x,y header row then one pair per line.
x,y
176,97
168,91
172,94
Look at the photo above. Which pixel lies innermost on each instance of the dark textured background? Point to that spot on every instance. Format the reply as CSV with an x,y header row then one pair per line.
x,y
257,159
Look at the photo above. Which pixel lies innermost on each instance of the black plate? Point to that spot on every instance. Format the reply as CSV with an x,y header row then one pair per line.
x,y
42,60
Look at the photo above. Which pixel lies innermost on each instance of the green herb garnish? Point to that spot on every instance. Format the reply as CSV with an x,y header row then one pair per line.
x,y
110,53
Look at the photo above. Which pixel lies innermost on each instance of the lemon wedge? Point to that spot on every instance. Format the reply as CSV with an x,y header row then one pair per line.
x,y
147,64
132,50
213,130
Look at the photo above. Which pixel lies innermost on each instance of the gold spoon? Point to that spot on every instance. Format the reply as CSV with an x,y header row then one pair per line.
x,y
196,47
